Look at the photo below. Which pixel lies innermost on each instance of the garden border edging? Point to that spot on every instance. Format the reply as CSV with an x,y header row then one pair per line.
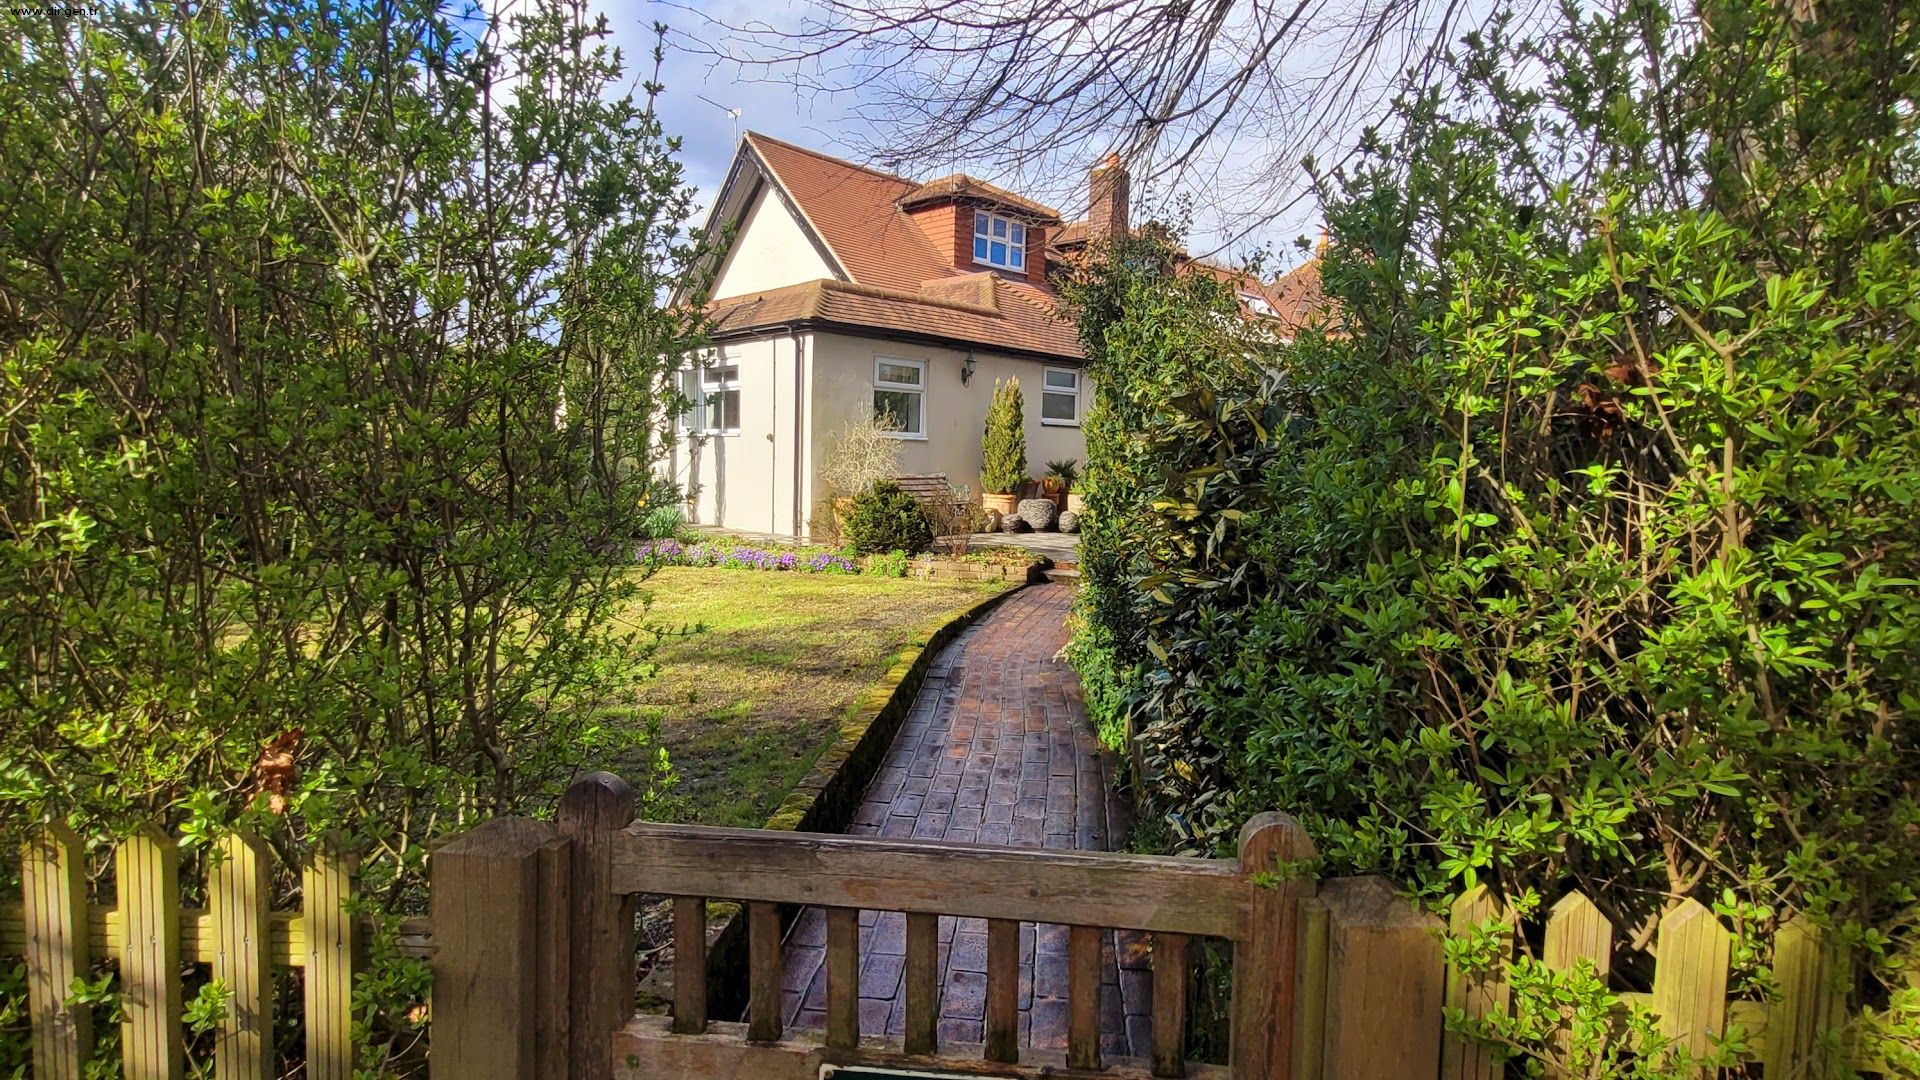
x,y
828,797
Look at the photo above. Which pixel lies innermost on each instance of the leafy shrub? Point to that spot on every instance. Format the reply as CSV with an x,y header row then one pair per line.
x,y
886,518
892,564
319,422
1003,449
662,521
1584,554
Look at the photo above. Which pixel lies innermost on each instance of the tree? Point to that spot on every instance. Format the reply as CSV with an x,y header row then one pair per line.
x,y
1225,98
336,362
1003,449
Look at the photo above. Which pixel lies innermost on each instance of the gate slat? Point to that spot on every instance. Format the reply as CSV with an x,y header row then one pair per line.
x,y
923,983
843,978
1690,978
1170,1005
333,941
763,972
689,965
1003,991
1083,996
1477,995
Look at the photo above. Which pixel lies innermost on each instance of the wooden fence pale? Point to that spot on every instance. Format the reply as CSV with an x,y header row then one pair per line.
x,y
531,939
150,936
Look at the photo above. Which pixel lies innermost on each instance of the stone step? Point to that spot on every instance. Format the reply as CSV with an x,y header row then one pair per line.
x,y
1064,575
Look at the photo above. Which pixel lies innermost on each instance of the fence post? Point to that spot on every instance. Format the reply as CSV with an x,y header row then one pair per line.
x,y
240,898
1386,980
327,886
1479,995
147,878
600,929
1275,857
487,961
1810,1009
53,880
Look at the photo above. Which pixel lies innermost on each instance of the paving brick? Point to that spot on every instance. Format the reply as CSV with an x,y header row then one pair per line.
x,y
996,751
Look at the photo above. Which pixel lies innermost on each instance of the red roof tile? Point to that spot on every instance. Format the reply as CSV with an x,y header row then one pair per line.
x,y
978,309
853,211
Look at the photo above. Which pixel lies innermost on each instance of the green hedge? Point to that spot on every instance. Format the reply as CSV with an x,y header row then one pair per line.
x,y
1584,553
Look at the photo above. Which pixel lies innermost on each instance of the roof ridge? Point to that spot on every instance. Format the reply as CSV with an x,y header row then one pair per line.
x,y
854,288
810,152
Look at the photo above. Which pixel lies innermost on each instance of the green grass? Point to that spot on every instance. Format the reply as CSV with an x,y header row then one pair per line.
x,y
758,669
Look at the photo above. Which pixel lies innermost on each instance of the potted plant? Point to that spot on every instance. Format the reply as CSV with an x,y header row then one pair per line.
x,y
1003,449
1061,476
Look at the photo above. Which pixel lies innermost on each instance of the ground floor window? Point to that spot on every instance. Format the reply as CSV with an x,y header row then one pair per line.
x,y
715,393
1060,396
899,387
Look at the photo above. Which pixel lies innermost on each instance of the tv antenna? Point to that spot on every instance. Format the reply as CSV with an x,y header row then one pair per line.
x,y
733,114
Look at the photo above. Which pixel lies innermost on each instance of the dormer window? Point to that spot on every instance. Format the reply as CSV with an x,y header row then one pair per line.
x,y
999,241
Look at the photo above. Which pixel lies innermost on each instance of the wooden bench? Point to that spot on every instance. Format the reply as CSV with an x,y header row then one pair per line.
x,y
932,490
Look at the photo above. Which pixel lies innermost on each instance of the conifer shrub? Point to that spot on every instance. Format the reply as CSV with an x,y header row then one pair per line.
x,y
886,518
1003,449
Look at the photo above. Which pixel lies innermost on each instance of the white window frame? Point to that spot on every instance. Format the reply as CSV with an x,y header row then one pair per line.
x,y
707,379
983,223
880,384
1077,393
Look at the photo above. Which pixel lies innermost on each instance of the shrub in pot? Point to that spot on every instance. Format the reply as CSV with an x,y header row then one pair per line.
x,y
1003,449
886,518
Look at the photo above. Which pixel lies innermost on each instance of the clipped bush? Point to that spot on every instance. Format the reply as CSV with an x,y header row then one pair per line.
x,y
1014,523
1069,522
1003,449
886,518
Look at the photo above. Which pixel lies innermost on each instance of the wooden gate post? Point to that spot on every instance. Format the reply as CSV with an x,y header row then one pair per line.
x,y
492,907
600,929
1276,860
1386,983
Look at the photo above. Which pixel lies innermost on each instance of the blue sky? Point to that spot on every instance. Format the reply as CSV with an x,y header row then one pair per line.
x,y
699,92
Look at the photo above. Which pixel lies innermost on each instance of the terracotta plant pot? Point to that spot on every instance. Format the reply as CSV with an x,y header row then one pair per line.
x,y
1003,502
1075,503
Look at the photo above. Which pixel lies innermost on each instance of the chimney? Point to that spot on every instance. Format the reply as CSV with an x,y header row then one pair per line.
x,y
1108,190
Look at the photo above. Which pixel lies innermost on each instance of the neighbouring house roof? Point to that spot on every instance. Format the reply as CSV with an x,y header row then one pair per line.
x,y
1298,299
975,309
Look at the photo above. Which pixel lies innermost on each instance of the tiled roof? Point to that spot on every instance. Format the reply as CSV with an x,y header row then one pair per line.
x,y
1297,296
853,210
962,186
976,309
903,282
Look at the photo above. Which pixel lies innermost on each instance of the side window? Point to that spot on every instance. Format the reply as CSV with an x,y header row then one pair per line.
x,y
715,393
899,393
1060,396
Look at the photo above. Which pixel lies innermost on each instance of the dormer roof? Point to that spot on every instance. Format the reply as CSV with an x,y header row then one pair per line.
x,y
962,186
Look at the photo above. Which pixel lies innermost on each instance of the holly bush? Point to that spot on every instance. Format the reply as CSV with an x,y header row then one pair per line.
x,y
1581,551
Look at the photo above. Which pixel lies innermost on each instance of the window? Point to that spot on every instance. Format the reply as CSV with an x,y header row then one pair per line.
x,y
898,389
999,241
715,393
1060,396
1256,304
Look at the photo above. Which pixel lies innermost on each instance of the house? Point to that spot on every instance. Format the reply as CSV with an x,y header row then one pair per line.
x,y
842,288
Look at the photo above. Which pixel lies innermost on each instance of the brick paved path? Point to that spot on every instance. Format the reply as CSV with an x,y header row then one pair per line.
x,y
997,750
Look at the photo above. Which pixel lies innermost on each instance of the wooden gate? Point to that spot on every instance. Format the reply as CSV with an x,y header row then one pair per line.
x,y
533,934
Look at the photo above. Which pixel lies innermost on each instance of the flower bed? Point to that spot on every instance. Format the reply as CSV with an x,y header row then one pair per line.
x,y
739,556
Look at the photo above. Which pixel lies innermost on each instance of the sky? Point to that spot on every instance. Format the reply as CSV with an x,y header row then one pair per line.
x,y
701,95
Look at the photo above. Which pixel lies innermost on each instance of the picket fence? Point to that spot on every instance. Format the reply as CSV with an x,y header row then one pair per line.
x,y
1368,978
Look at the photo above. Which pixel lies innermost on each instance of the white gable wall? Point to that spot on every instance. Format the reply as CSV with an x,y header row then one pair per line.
x,y
770,251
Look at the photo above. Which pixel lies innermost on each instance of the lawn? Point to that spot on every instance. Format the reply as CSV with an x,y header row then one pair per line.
x,y
761,669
